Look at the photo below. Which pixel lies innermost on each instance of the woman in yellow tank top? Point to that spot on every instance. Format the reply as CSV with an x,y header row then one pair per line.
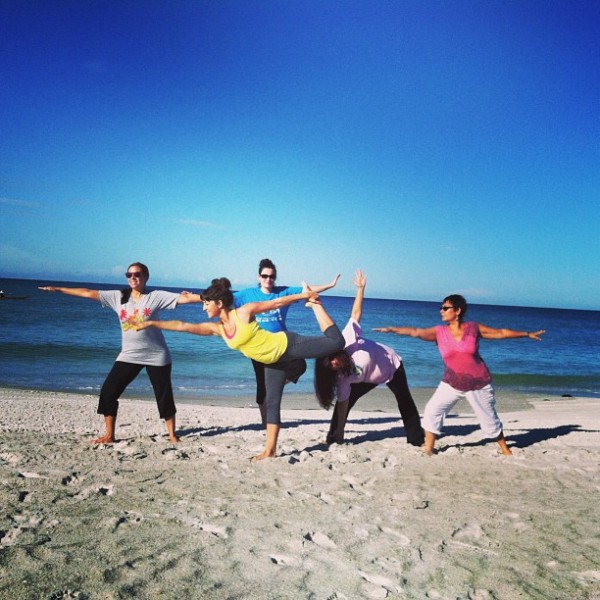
x,y
277,351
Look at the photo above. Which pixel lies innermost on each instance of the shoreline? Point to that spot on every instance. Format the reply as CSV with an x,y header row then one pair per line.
x,y
379,399
371,518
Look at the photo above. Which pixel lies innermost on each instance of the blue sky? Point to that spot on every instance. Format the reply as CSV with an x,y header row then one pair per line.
x,y
440,146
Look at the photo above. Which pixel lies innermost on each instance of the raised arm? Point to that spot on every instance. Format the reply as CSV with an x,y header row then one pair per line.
x,y
182,326
325,286
360,281
427,335
490,333
79,292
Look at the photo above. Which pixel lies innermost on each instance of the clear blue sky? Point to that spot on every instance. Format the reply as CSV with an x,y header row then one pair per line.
x,y
441,146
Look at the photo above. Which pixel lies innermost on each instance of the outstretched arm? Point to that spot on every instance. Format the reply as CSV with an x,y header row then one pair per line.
x,y
360,281
490,333
189,298
325,286
182,326
79,292
428,335
247,311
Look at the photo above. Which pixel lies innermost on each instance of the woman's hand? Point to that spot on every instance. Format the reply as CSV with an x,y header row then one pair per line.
x,y
536,335
143,325
360,280
383,329
311,296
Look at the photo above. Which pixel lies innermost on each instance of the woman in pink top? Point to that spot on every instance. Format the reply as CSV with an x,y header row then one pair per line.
x,y
465,375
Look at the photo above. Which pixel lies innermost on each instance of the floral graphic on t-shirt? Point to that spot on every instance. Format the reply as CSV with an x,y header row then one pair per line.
x,y
130,320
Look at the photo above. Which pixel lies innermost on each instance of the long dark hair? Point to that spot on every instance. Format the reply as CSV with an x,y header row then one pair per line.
x,y
126,292
219,290
325,379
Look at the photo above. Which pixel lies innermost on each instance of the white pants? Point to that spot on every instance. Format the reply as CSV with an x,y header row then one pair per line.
x,y
483,403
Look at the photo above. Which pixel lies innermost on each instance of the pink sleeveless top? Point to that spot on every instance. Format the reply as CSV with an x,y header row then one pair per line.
x,y
465,370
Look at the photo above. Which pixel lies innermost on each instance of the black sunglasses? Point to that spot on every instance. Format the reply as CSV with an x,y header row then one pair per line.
x,y
445,308
267,276
137,274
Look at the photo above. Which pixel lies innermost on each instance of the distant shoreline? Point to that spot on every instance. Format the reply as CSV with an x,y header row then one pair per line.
x,y
378,400
349,295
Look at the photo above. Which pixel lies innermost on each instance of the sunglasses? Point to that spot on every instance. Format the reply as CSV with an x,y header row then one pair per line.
x,y
131,274
268,276
445,308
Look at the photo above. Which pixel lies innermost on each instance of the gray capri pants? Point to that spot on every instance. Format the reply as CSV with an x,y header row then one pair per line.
x,y
299,347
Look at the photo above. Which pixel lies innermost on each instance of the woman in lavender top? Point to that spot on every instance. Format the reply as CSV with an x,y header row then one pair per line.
x,y
360,367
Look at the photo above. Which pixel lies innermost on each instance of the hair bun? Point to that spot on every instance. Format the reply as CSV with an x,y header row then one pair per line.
x,y
221,282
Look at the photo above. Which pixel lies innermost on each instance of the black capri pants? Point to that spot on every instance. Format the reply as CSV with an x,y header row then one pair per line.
x,y
122,374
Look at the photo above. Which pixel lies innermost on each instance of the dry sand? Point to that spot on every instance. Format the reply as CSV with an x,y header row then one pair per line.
x,y
372,518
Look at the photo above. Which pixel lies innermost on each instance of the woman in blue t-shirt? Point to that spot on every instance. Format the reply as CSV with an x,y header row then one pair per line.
x,y
273,320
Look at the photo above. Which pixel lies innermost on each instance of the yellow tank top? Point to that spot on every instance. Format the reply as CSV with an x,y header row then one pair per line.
x,y
256,343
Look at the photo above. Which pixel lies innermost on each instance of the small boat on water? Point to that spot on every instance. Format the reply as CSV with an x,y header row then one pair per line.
x,y
4,296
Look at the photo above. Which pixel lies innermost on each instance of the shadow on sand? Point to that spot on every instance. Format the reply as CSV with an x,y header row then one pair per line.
x,y
518,440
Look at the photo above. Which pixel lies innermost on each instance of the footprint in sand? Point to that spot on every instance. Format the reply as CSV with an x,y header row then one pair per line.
x,y
70,479
216,530
10,458
285,560
469,530
381,585
173,453
66,594
594,575
320,539
481,595
130,518
103,490
326,498
402,539
31,475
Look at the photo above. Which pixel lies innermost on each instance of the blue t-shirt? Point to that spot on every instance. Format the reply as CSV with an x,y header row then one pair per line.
x,y
274,320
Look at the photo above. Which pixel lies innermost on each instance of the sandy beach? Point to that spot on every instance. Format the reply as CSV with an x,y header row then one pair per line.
x,y
372,518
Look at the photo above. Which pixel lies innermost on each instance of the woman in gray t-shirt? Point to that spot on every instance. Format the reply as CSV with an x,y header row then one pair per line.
x,y
146,349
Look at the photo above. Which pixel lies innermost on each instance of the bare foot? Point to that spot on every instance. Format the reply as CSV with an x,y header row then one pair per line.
x,y
503,446
311,301
264,454
429,451
105,439
174,439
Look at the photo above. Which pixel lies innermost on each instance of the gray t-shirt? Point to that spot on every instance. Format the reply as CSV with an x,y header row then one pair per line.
x,y
148,346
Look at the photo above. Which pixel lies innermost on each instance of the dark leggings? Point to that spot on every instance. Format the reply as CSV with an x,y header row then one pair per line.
x,y
122,374
406,405
295,370
299,347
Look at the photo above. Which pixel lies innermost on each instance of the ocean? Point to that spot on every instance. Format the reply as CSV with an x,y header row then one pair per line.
x,y
54,342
